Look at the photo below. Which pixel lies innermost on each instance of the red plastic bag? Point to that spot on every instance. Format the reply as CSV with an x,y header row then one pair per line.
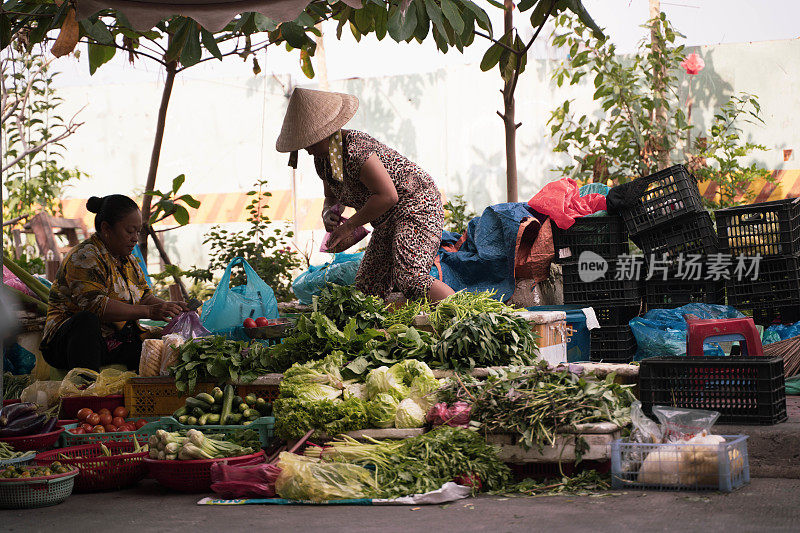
x,y
456,415
357,236
244,481
561,201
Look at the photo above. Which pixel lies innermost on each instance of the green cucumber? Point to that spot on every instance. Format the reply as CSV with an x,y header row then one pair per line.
x,y
251,398
181,411
237,400
203,419
243,407
252,414
234,419
227,404
191,421
216,408
183,419
218,395
205,397
194,402
213,419
197,412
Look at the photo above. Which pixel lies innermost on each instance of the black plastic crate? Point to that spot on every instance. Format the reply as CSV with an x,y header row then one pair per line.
x,y
604,235
768,229
612,344
745,390
669,294
604,291
778,285
776,315
692,235
615,315
668,195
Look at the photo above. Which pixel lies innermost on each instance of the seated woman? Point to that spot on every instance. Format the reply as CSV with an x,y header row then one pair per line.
x,y
100,293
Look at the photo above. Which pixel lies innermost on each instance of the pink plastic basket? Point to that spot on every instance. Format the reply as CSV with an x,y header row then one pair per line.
x,y
97,471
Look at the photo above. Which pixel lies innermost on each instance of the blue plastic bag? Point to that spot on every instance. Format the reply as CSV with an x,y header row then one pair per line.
x,y
663,331
780,332
341,271
229,306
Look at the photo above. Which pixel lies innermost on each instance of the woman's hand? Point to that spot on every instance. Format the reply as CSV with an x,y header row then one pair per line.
x,y
331,218
165,311
340,233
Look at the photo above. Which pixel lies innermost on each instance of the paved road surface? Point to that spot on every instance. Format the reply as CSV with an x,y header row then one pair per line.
x,y
765,505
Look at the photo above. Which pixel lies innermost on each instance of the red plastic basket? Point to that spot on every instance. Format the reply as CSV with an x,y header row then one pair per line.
x,y
194,476
11,401
97,471
70,405
44,441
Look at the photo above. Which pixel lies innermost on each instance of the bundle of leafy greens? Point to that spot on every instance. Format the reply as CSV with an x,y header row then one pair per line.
x,y
405,314
421,464
342,304
397,344
295,417
464,304
535,403
485,340
217,359
314,337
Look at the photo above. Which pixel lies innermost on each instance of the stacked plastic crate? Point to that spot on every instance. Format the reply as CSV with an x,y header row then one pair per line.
x,y
677,238
766,237
615,301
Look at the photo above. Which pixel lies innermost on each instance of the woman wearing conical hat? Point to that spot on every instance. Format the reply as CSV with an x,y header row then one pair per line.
x,y
394,195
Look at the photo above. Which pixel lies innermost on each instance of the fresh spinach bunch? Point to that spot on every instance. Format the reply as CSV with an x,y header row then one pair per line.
x,y
342,304
487,339
217,359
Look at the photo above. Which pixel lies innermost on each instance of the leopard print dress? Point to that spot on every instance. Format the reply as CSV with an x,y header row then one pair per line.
x,y
406,239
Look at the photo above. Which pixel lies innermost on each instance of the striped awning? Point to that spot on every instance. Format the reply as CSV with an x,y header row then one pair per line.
x,y
213,15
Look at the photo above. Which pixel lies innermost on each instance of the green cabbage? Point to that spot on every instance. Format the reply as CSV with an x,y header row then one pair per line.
x,y
382,410
409,415
382,379
423,390
309,391
355,390
325,371
410,369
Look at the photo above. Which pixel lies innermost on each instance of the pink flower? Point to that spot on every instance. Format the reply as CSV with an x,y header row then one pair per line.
x,y
693,64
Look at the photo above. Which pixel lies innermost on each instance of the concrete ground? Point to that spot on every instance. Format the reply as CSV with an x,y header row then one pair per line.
x,y
764,505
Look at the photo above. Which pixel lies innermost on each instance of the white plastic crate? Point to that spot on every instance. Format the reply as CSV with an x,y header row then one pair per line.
x,y
685,466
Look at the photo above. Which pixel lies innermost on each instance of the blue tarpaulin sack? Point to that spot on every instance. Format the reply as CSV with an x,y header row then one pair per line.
x,y
229,306
341,271
663,331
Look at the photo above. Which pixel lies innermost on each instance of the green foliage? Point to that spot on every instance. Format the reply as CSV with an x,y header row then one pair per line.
x,y
169,204
294,417
457,214
725,148
629,139
201,288
342,304
265,245
37,180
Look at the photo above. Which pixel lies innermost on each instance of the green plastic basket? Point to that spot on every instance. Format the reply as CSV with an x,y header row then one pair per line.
x,y
142,434
264,426
36,492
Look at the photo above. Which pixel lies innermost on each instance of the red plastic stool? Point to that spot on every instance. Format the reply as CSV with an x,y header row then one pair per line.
x,y
726,329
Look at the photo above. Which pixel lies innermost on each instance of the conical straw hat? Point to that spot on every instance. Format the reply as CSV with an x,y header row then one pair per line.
x,y
312,116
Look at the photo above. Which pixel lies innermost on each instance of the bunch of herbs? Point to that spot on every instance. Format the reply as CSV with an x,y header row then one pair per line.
x,y
342,304
217,359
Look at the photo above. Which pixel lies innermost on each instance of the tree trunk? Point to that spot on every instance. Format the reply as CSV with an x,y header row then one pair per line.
x,y
508,118
156,154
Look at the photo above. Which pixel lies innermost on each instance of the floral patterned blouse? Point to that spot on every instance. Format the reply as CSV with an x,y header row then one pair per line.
x,y
88,278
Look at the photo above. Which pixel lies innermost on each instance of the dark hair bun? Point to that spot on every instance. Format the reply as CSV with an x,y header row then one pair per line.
x,y
94,204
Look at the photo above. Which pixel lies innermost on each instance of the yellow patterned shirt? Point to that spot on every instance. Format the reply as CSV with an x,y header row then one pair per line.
x,y
88,278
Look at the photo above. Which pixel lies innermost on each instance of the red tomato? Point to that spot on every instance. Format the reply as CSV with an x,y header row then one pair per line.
x,y
128,427
120,412
140,423
77,431
110,428
262,321
105,419
98,429
103,410
118,421
87,428
249,323
93,419
84,413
